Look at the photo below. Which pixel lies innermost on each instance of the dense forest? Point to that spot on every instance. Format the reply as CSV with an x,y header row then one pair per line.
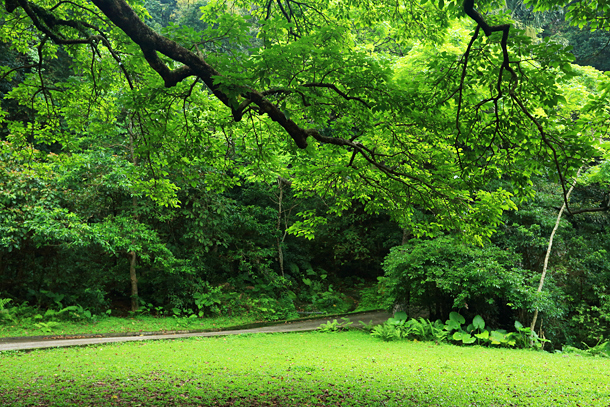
x,y
276,157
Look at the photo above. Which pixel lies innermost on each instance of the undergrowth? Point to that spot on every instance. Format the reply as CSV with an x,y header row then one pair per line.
x,y
138,323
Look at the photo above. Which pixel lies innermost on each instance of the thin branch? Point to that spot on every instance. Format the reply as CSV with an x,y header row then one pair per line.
x,y
7,73
337,90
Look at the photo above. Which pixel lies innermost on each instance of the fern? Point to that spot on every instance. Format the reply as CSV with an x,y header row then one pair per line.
x,y
3,302
386,332
4,313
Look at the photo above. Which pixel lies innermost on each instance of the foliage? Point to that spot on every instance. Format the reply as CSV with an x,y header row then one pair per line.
x,y
318,294
5,312
27,317
334,326
372,299
368,327
420,329
42,215
578,265
447,273
214,255
166,135
353,244
601,348
454,329
386,332
406,118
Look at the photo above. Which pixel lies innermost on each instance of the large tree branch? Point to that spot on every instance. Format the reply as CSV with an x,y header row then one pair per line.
x,y
490,29
337,90
123,16
505,28
193,64
152,43
589,210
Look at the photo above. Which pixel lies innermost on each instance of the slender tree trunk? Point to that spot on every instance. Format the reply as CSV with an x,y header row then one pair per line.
x,y
280,253
132,254
134,281
548,251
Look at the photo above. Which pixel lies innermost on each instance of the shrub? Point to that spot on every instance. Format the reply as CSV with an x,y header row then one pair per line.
x,y
446,273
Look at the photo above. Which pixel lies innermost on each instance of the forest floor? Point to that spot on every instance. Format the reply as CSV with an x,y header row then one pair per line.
x,y
53,341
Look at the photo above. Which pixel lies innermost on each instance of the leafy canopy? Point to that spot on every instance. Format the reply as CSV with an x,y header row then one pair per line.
x,y
402,106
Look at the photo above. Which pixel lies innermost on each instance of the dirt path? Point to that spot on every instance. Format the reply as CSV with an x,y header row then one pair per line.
x,y
310,325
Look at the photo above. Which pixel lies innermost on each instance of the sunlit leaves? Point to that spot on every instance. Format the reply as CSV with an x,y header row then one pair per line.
x,y
410,120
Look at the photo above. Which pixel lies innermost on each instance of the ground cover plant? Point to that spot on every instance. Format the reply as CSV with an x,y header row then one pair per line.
x,y
315,368
455,330
25,320
142,323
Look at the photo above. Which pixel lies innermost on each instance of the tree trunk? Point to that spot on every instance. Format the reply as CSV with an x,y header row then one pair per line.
x,y
280,253
132,254
548,253
134,281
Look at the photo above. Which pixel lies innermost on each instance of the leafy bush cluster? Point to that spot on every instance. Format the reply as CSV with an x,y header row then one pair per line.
x,y
45,321
446,273
602,348
454,330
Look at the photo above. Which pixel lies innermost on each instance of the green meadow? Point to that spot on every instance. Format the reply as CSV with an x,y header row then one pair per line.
x,y
300,369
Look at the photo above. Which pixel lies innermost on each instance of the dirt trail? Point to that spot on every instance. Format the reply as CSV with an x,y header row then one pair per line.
x,y
377,317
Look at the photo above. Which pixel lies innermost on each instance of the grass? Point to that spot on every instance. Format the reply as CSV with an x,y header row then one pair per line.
x,y
310,369
141,323
24,327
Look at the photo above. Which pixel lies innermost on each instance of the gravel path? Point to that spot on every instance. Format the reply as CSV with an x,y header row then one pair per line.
x,y
378,317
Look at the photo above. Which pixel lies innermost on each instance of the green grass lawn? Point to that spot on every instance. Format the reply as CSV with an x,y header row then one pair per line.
x,y
120,325
297,369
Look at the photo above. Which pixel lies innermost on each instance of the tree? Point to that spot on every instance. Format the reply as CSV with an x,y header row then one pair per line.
x,y
546,257
67,223
423,130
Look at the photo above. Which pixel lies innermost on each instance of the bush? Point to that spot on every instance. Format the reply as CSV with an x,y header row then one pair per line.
x,y
446,273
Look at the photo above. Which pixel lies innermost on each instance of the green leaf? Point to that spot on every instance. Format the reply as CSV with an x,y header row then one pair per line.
x,y
478,322
452,325
400,315
469,339
457,336
482,335
454,316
